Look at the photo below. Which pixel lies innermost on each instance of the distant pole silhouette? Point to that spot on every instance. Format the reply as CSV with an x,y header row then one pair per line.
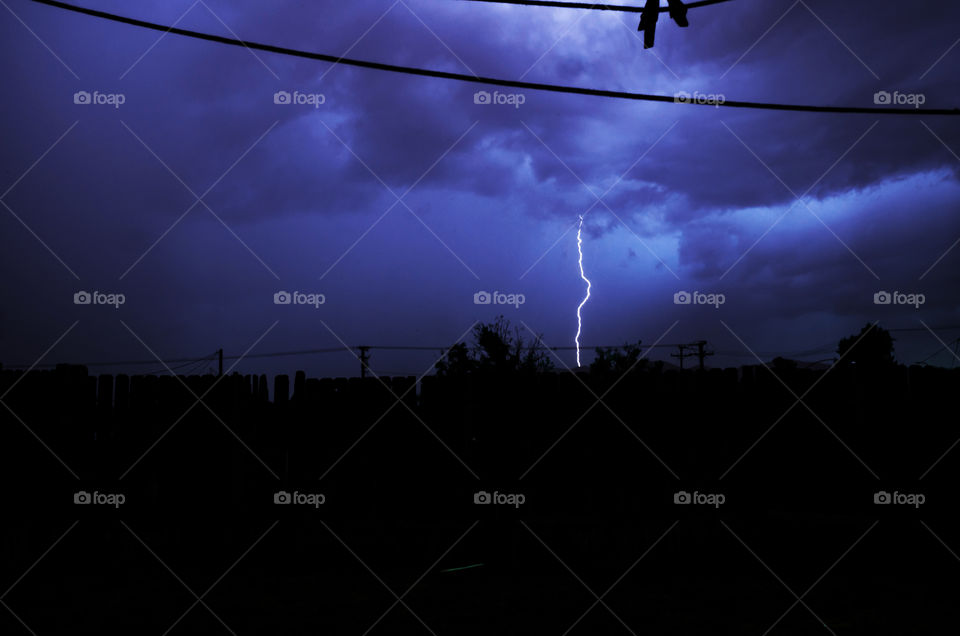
x,y
701,353
681,355
364,359
219,362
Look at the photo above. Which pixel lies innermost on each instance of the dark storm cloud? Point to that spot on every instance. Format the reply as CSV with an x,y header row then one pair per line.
x,y
710,183
808,270
400,126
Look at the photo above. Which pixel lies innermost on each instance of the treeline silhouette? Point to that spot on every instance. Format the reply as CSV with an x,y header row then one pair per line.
x,y
400,463
497,414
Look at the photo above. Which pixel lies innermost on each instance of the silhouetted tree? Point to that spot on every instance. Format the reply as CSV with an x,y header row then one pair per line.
x,y
457,361
496,351
871,348
783,364
618,360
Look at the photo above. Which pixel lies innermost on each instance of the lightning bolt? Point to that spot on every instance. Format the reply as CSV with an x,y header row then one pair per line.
x,y
587,280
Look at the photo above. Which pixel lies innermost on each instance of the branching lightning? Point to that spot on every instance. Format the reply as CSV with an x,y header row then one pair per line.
x,y
587,280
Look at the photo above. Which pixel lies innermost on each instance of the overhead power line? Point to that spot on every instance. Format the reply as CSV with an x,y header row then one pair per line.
x,y
290,353
946,348
121,363
277,354
116,363
597,7
555,88
191,367
649,12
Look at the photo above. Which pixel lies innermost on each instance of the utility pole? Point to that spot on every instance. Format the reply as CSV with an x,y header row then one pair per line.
x,y
364,359
681,355
219,362
701,353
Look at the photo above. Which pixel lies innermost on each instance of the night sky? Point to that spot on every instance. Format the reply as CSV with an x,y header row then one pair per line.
x,y
798,219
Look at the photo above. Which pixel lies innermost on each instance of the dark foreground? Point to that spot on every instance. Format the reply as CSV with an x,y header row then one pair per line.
x,y
583,532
